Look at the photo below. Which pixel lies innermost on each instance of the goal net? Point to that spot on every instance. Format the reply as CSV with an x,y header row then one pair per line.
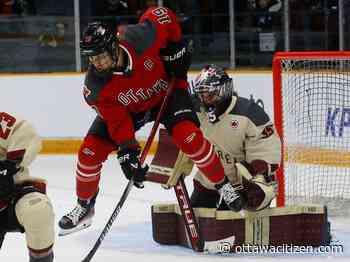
x,y
312,116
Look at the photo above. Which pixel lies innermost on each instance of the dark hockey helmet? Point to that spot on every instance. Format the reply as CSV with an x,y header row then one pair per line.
x,y
98,38
212,86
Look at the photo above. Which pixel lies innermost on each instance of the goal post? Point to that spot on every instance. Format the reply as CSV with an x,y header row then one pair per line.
x,y
312,117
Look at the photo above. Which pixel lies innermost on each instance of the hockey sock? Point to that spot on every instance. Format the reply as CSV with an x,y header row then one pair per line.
x,y
93,152
45,255
189,138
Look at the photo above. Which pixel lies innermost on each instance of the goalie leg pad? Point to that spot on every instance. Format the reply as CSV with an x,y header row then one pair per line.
x,y
169,163
294,225
164,223
35,213
203,197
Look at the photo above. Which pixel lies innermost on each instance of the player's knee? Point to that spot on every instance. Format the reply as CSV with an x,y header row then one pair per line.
x,y
187,136
35,213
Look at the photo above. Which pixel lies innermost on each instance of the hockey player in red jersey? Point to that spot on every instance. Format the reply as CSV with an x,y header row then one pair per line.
x,y
126,82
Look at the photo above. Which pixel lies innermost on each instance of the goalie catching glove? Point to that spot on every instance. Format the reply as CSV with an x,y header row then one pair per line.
x,y
131,166
259,167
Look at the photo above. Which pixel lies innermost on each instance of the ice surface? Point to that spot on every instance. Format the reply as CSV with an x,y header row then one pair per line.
x,y
130,238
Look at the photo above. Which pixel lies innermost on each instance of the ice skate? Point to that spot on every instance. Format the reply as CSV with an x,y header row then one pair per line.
x,y
79,218
231,195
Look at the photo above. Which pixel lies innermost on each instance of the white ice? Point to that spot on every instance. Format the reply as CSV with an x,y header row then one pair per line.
x,y
130,238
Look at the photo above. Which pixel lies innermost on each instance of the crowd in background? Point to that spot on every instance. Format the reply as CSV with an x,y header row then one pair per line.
x,y
258,25
264,14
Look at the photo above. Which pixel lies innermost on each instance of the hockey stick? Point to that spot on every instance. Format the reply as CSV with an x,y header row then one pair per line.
x,y
192,227
193,234
188,216
131,181
169,168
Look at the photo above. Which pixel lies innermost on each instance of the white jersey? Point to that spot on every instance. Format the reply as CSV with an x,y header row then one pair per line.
x,y
33,210
243,132
18,140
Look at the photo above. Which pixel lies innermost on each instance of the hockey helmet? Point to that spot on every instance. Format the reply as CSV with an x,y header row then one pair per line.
x,y
212,86
98,38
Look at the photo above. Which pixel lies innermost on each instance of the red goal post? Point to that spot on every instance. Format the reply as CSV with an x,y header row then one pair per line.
x,y
312,116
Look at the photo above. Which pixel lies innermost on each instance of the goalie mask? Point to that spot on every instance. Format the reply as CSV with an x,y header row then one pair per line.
x,y
100,45
212,88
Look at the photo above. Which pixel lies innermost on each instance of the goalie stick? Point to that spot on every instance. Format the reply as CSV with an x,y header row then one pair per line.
x,y
188,216
224,245
127,190
194,236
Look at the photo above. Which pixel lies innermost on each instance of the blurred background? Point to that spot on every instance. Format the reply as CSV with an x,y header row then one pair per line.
x,y
43,35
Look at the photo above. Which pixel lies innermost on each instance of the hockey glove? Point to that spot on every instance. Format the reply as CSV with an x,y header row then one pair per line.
x,y
7,170
263,168
131,166
176,57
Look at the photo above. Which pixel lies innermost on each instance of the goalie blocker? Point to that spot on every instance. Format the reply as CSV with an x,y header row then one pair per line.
x,y
295,225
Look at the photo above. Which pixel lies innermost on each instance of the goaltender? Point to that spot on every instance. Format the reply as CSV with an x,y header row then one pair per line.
x,y
244,138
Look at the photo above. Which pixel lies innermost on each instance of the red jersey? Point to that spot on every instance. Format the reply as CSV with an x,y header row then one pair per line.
x,y
144,83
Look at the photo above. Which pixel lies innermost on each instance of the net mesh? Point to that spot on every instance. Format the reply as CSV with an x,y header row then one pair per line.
x,y
316,126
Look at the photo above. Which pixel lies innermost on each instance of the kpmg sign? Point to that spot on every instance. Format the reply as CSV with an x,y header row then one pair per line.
x,y
337,120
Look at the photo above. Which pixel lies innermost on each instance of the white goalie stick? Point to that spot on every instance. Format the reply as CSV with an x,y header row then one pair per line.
x,y
127,190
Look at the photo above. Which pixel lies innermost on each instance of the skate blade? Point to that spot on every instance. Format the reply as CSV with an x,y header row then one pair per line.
x,y
64,232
